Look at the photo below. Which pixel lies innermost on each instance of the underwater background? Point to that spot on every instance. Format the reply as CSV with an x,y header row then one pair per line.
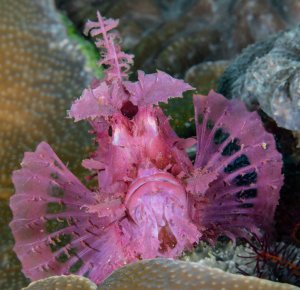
x,y
46,62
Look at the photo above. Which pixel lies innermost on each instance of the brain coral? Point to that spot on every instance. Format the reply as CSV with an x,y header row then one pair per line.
x,y
70,282
170,274
41,71
11,277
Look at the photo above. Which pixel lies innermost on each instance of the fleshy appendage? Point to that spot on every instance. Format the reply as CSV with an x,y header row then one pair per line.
x,y
61,227
237,177
104,99
127,145
115,93
117,62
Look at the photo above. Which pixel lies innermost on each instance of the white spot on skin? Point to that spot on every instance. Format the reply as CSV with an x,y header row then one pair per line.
x,y
151,121
264,146
116,136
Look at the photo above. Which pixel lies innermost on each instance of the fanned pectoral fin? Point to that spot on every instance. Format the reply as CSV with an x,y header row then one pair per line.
x,y
234,146
54,232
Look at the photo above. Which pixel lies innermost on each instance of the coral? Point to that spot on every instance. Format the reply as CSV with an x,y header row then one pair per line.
x,y
41,71
175,35
224,255
11,277
151,199
204,76
261,257
178,36
274,261
267,74
171,274
254,21
70,282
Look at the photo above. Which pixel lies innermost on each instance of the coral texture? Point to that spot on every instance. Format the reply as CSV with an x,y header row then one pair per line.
x,y
151,200
276,262
70,282
181,36
174,35
11,276
267,74
170,274
41,71
205,75
260,257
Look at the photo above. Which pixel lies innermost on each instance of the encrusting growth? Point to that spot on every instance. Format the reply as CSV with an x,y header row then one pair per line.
x,y
151,200
69,282
170,274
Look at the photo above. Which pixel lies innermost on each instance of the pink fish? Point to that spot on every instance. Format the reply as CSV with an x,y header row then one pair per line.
x,y
151,200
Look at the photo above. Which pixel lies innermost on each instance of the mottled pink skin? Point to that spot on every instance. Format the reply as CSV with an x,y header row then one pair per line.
x,y
225,211
146,139
117,62
157,203
36,186
108,96
143,215
151,200
154,88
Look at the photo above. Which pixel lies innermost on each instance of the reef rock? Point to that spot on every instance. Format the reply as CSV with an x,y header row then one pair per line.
x,y
267,75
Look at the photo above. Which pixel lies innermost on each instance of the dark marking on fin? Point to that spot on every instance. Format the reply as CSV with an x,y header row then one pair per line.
x,y
54,175
54,225
76,266
210,124
57,164
220,136
231,147
55,190
55,207
64,257
238,163
246,194
200,119
60,241
245,179
245,205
